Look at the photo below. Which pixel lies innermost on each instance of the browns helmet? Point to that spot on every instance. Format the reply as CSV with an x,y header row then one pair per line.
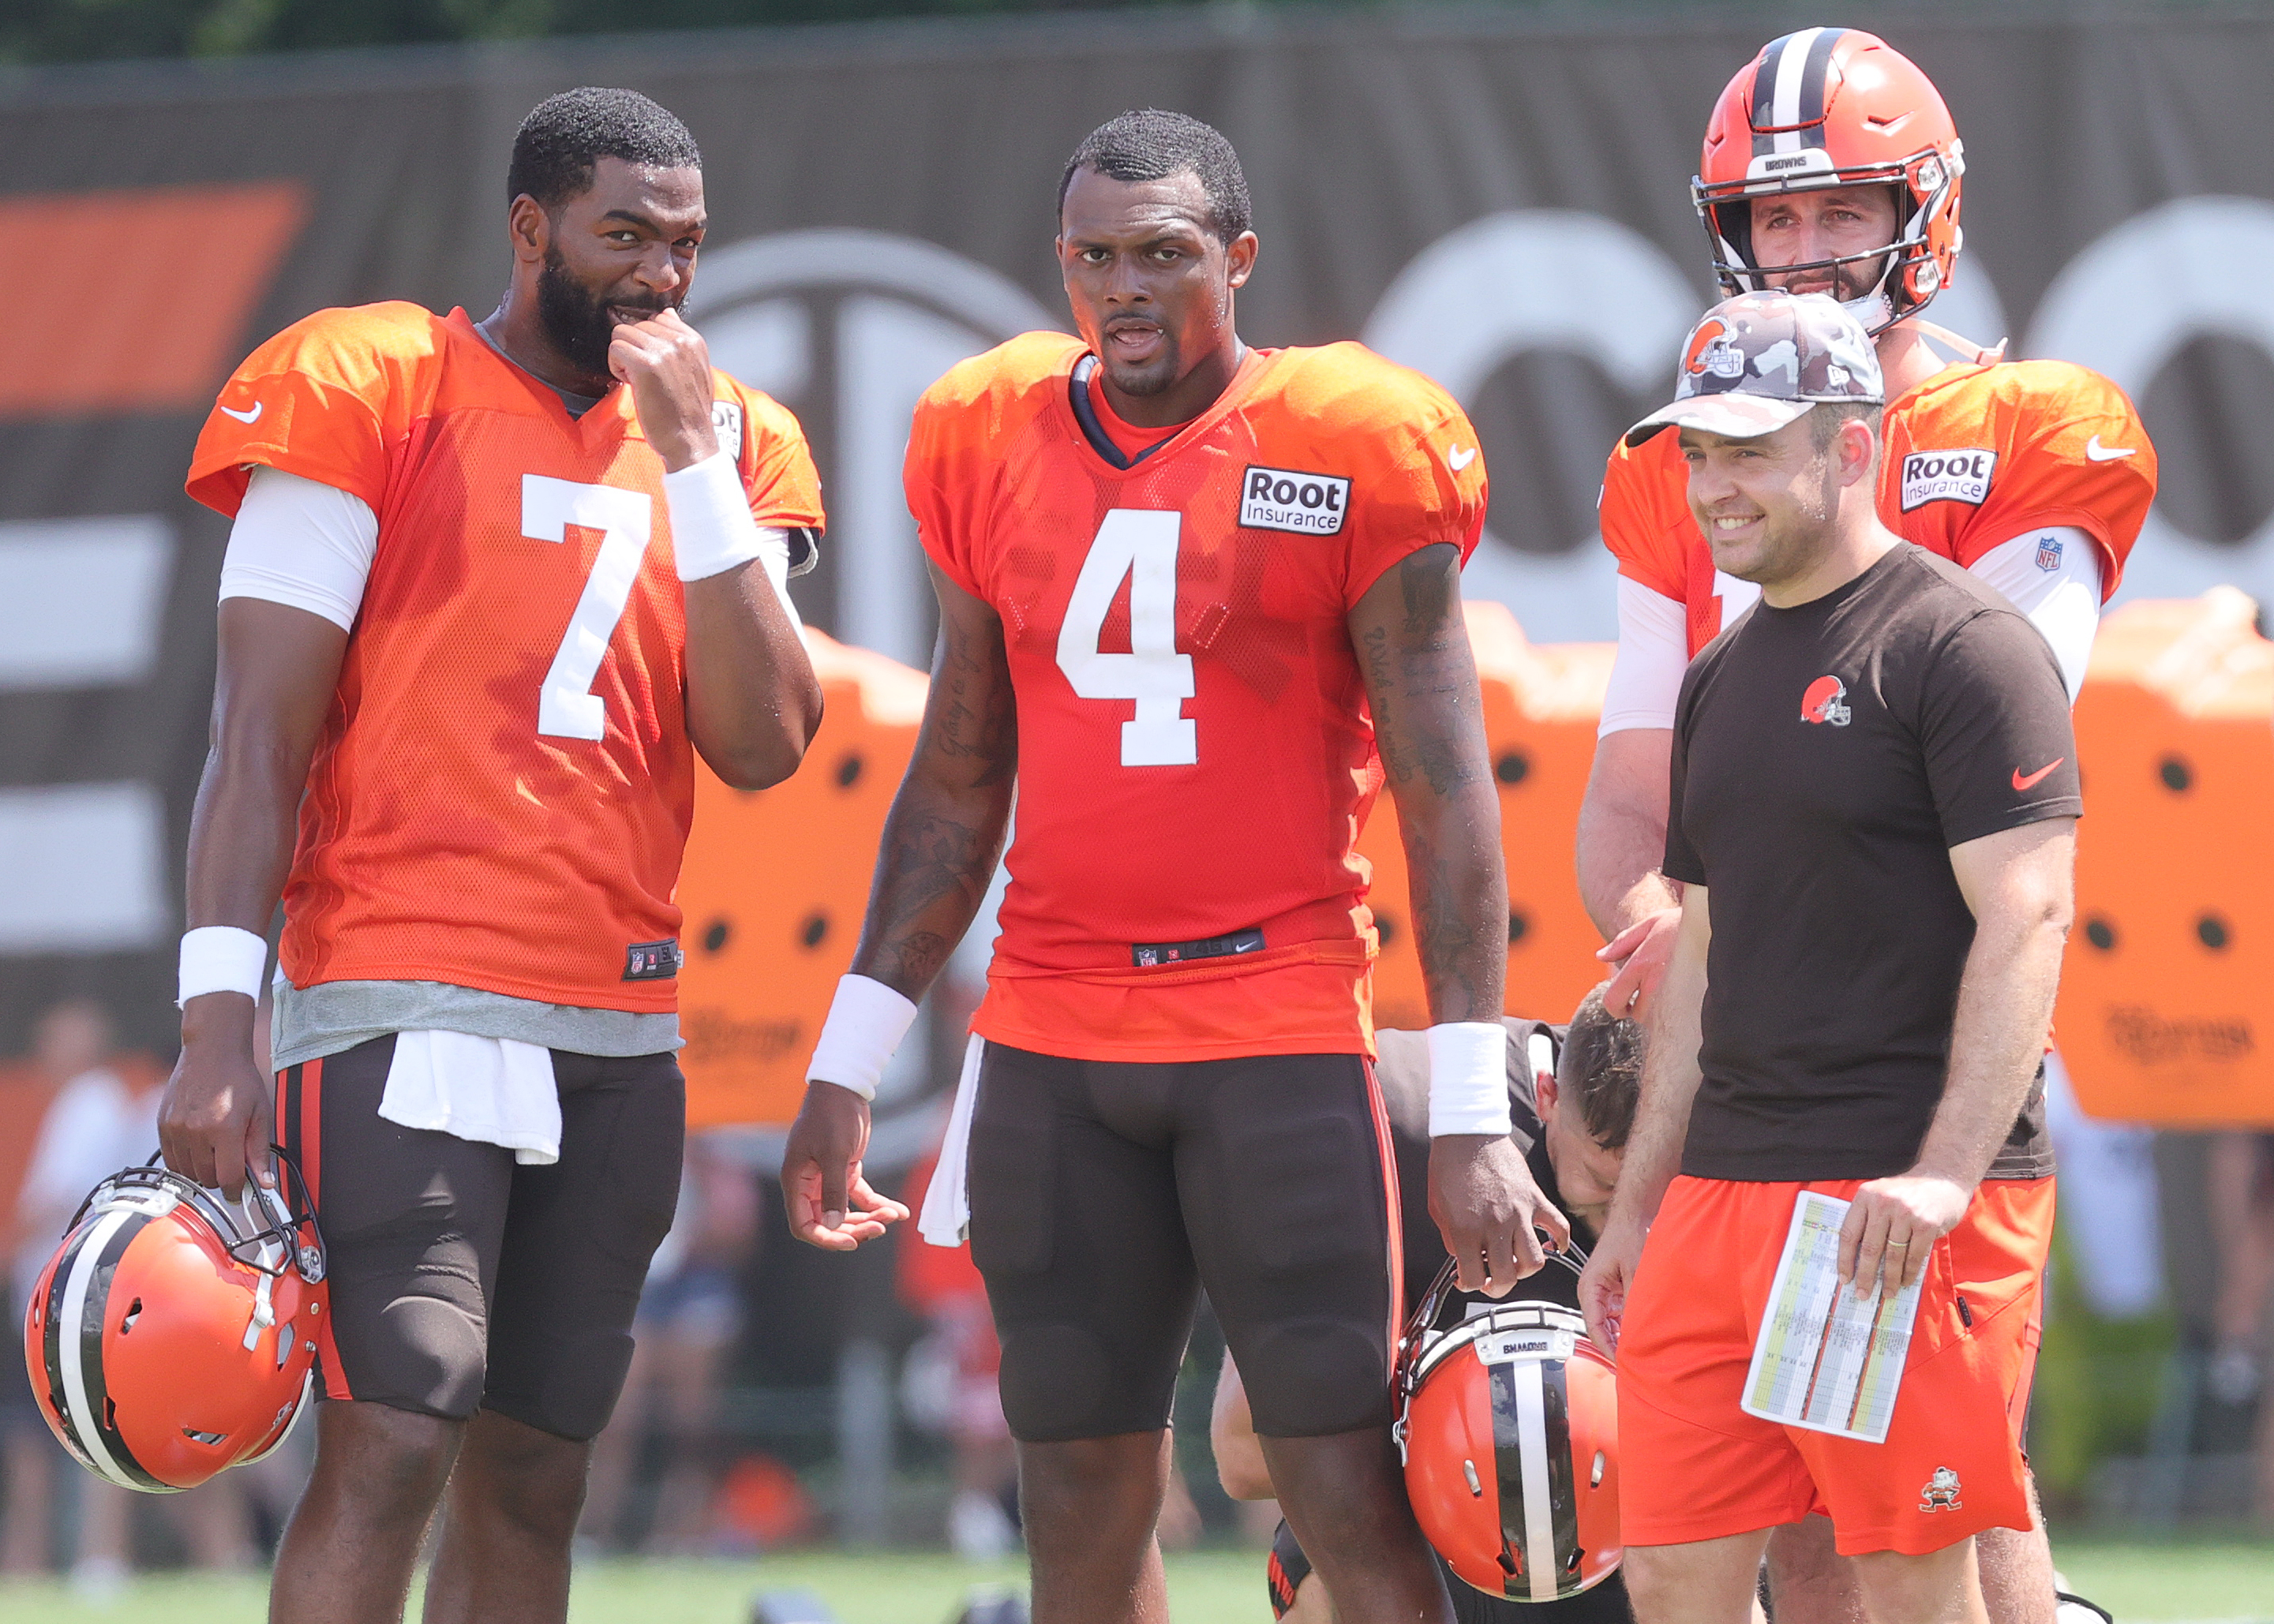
x,y
171,1336
1509,1424
1835,107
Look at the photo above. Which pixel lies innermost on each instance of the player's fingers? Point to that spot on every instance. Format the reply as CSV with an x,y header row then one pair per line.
x,y
838,1174
1467,1246
1917,1247
258,1160
1545,1217
867,1201
1622,946
1871,1251
1503,1265
1625,987
1851,1239
229,1166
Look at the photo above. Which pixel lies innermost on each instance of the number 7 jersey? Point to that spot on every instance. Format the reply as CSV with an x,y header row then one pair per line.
x,y
501,790
1195,753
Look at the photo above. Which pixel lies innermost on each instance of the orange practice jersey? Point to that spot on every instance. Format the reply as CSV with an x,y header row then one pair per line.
x,y
1196,754
1975,456
503,784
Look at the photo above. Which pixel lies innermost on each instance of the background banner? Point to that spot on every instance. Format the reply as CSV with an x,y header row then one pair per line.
x,y
1500,205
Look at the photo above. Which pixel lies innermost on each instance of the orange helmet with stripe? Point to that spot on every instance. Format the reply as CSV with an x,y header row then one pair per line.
x,y
1821,108
1509,1424
170,1336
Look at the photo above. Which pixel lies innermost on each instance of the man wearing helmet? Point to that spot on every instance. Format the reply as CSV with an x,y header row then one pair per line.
x,y
1571,1091
1874,775
1830,165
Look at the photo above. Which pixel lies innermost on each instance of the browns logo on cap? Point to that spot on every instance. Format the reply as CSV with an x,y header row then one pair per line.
x,y
1759,361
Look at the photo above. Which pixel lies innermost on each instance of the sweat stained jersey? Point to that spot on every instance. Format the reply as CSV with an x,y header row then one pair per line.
x,y
1195,753
502,787
1973,456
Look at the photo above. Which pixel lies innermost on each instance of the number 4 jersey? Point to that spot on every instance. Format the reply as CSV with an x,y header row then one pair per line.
x,y
502,787
1196,754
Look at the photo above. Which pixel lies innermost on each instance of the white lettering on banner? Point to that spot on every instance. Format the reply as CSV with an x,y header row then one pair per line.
x,y
1540,279
1952,476
1279,499
904,311
82,601
566,706
2125,306
82,868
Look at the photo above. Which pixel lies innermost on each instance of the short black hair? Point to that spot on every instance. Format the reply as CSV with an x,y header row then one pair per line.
x,y
1151,143
564,136
1600,1069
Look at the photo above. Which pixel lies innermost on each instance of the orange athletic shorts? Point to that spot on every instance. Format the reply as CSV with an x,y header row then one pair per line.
x,y
1693,1465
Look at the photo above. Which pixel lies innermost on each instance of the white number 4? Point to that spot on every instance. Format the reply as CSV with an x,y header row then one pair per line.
x,y
1141,543
567,708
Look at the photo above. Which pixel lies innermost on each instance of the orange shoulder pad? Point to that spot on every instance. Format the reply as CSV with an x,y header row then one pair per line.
x,y
1644,513
1980,454
777,465
323,399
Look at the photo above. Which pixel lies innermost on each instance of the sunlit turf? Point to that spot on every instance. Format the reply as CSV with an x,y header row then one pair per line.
x,y
2223,1579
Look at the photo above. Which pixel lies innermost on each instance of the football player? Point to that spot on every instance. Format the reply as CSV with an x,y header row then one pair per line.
x,y
1571,1092
489,584
1195,599
1830,165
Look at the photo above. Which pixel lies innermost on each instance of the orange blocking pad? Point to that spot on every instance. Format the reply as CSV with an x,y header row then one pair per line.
x,y
2162,1016
1541,703
773,888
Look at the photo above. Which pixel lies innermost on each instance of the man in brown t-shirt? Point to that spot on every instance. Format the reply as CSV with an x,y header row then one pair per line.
x,y
1874,780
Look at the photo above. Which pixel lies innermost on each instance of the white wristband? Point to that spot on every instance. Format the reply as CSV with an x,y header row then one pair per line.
x,y
220,958
867,1021
1468,1077
712,530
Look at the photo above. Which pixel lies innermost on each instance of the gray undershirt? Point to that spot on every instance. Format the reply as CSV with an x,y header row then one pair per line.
x,y
330,1017
308,1023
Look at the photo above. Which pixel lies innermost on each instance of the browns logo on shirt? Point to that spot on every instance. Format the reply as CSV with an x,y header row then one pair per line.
x,y
1195,756
1973,456
502,788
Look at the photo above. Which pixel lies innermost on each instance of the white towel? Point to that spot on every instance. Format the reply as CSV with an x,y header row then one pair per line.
x,y
946,1217
494,1091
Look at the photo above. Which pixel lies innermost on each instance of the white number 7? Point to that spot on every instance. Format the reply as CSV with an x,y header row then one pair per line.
x,y
567,708
1141,543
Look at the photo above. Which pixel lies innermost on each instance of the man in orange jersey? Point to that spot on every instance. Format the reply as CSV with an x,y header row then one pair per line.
x,y
1194,600
489,584
1830,165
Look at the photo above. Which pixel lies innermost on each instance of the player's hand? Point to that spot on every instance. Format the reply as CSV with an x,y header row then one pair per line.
x,y
1891,1227
1486,1204
1638,955
830,1205
668,367
214,1122
1604,1284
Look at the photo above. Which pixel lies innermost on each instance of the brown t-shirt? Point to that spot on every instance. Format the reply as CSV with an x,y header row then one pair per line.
x,y
1827,757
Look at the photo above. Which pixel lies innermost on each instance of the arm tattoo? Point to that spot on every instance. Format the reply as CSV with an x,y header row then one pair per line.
x,y
1428,714
945,830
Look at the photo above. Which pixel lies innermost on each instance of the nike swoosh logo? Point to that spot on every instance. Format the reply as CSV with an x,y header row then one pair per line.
x,y
2035,778
2095,451
246,417
1459,457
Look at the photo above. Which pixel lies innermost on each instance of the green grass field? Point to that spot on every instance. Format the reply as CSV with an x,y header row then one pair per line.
x,y
2197,1580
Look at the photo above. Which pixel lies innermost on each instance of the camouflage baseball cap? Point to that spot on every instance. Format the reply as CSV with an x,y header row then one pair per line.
x,y
1757,362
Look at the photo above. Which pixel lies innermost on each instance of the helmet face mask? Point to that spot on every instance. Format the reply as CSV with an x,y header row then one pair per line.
x,y
1827,107
172,1337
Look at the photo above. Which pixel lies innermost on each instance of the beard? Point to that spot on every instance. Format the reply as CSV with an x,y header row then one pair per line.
x,y
579,321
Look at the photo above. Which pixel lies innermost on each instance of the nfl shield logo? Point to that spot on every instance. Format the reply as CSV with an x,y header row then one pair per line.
x,y
2049,553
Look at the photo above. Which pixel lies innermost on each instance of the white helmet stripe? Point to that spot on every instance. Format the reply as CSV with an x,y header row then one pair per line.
x,y
1791,83
1538,1493
84,1267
